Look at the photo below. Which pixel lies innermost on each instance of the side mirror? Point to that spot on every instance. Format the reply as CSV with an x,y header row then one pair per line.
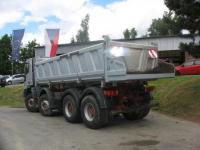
x,y
26,68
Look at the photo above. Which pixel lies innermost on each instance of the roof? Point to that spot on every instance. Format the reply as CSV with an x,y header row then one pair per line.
x,y
155,37
77,43
122,40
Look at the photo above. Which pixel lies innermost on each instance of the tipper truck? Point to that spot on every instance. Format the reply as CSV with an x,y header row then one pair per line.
x,y
95,83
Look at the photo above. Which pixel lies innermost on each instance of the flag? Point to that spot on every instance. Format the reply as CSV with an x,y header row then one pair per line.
x,y
51,42
17,36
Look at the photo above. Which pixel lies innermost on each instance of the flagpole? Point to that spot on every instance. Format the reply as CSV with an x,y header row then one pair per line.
x,y
12,68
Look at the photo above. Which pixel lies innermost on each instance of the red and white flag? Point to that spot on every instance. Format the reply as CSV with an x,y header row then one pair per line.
x,y
51,42
153,53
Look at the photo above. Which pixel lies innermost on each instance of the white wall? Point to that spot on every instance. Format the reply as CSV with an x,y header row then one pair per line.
x,y
167,43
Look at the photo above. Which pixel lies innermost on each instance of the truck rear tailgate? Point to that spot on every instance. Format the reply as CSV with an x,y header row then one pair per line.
x,y
128,61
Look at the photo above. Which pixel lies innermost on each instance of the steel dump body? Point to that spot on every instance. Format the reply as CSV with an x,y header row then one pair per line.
x,y
96,63
94,83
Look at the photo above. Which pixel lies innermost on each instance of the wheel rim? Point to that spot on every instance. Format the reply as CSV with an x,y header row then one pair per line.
x,y
69,108
31,102
89,112
45,105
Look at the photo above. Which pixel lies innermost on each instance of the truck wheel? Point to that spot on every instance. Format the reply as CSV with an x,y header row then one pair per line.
x,y
71,110
9,82
92,116
44,106
137,116
30,104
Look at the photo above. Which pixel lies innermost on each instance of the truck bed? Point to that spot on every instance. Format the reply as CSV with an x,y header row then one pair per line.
x,y
97,63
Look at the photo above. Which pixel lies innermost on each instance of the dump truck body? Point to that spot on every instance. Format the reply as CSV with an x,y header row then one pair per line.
x,y
132,62
94,82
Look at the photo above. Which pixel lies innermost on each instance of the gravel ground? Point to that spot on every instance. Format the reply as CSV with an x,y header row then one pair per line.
x,y
21,130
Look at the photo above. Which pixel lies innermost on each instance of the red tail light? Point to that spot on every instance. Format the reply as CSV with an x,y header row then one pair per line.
x,y
111,93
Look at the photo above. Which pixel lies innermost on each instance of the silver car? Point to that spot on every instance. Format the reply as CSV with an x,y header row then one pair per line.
x,y
15,79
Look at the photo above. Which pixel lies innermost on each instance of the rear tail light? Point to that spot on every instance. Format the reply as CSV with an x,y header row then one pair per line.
x,y
111,93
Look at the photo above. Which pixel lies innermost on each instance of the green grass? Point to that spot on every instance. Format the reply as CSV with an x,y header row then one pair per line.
x,y
12,96
179,96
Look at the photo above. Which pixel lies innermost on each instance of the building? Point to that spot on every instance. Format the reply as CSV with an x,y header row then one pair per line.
x,y
168,47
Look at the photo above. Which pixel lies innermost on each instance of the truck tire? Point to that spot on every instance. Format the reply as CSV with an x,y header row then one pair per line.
x,y
44,106
30,104
71,110
92,116
137,116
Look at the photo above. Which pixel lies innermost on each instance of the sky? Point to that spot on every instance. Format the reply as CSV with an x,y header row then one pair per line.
x,y
107,17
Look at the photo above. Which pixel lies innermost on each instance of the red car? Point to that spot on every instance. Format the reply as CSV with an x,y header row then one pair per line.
x,y
189,68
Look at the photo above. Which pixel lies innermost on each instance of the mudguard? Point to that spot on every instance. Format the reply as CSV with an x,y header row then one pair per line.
x,y
98,93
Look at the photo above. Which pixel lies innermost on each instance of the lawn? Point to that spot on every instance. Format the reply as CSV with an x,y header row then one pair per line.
x,y
179,96
12,96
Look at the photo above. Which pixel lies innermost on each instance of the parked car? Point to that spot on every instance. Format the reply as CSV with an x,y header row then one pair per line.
x,y
189,68
15,79
6,76
2,81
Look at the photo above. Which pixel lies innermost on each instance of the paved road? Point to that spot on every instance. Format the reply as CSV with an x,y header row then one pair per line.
x,y
21,130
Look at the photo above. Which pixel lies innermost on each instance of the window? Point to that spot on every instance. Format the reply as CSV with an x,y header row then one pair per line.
x,y
190,63
14,77
18,76
21,76
197,62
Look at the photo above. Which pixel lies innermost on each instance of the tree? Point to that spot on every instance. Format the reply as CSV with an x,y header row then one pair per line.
x,y
72,40
130,34
191,48
133,33
27,52
188,14
126,34
5,54
83,35
167,25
